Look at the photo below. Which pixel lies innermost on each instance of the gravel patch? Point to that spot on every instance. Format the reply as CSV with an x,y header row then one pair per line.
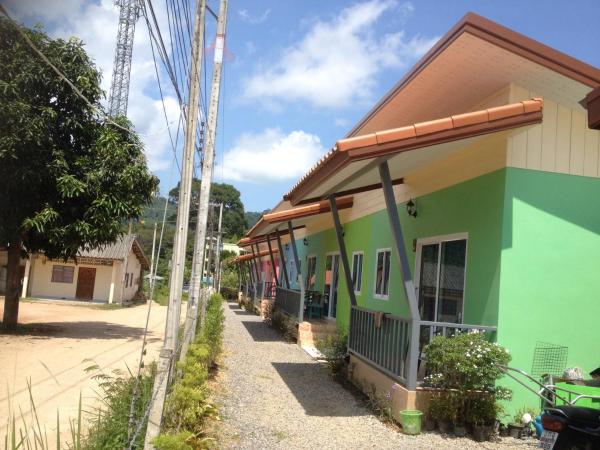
x,y
275,396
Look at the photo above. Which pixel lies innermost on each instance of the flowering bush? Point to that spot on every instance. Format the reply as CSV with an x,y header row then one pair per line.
x,y
466,367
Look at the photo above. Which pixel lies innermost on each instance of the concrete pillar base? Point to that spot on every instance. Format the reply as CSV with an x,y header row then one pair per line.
x,y
266,306
370,381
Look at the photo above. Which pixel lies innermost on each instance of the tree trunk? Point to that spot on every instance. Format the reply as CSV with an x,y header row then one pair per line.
x,y
13,287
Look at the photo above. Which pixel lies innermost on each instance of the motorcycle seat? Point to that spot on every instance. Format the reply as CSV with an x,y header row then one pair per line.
x,y
581,414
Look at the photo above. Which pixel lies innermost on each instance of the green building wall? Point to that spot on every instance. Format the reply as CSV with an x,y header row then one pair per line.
x,y
533,260
473,207
550,283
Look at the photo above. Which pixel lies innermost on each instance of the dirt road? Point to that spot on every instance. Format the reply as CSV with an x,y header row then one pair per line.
x,y
52,351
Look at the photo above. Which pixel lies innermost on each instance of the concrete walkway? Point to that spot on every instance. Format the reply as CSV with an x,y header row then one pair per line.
x,y
278,397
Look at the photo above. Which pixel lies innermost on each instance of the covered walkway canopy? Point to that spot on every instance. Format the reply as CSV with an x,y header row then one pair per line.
x,y
353,163
300,217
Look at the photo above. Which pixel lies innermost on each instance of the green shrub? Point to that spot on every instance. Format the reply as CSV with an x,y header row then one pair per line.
x,y
465,368
283,323
110,426
334,348
161,293
249,306
229,293
188,407
179,441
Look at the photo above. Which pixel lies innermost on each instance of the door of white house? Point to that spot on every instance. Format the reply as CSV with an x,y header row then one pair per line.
x,y
330,289
440,279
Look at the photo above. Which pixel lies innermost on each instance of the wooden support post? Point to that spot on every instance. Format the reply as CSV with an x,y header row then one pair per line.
x,y
343,253
298,269
408,284
272,260
284,272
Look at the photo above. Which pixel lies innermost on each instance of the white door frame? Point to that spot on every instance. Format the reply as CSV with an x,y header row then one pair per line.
x,y
438,240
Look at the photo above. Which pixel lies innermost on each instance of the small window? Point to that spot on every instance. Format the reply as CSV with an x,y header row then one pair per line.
x,y
311,277
357,268
62,274
382,273
126,279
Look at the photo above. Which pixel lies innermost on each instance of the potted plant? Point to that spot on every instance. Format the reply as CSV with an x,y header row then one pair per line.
x,y
460,429
442,409
482,413
466,367
429,422
522,419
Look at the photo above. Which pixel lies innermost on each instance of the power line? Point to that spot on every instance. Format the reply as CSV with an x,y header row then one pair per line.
x,y
162,100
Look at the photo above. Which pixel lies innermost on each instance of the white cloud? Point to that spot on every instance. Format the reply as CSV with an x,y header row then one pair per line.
x,y
334,65
271,156
250,48
95,23
341,121
252,19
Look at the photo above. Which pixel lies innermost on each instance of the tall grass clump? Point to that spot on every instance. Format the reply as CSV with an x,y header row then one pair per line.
x,y
109,424
21,436
188,406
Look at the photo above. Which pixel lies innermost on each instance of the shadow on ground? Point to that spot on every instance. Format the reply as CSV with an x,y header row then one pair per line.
x,y
78,330
243,312
316,392
261,332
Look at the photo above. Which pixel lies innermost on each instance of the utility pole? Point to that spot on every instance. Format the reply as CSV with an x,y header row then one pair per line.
x,y
209,148
217,282
209,262
179,245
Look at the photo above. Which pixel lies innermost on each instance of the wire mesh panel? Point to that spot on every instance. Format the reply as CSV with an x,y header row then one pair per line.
x,y
549,359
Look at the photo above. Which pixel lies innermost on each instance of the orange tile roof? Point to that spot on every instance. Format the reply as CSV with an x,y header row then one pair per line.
x,y
312,209
250,256
436,126
418,135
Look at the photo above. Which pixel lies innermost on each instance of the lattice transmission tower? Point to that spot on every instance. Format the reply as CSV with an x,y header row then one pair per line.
x,y
119,88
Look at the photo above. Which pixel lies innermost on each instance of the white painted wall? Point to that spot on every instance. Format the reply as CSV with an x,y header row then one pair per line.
x,y
562,143
133,268
41,285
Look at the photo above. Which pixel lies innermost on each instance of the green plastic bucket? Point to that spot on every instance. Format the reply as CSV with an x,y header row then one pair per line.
x,y
411,421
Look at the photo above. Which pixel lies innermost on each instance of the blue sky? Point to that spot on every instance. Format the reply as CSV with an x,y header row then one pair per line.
x,y
299,74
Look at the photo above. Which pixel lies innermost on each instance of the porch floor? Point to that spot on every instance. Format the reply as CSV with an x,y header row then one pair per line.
x,y
277,397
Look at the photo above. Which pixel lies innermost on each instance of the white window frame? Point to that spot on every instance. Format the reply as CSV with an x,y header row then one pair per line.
x,y
439,240
375,294
362,265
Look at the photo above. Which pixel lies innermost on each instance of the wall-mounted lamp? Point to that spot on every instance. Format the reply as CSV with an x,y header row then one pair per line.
x,y
305,242
411,208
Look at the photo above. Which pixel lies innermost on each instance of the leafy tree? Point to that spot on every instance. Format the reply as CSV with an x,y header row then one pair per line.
x,y
252,217
233,208
68,179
